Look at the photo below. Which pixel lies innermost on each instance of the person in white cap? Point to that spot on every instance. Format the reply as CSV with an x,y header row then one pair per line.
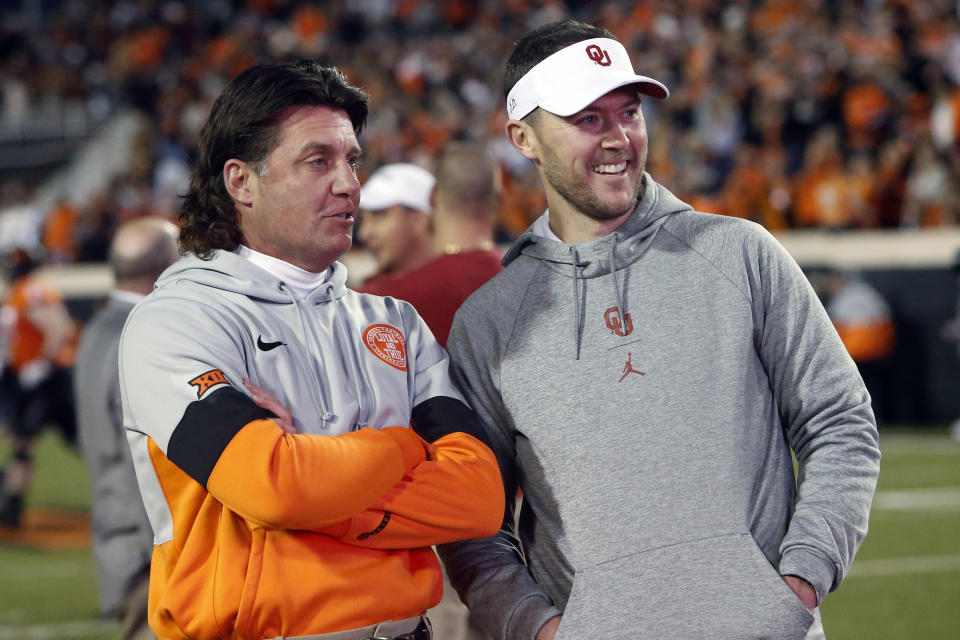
x,y
395,223
644,372
464,203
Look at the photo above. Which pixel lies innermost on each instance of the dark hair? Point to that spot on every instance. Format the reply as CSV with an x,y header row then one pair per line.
x,y
244,124
20,263
543,42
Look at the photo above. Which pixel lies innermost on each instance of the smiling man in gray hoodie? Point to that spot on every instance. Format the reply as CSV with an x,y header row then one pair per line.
x,y
644,371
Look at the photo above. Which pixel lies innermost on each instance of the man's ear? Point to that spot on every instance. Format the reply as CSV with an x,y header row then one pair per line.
x,y
237,177
421,221
430,227
523,137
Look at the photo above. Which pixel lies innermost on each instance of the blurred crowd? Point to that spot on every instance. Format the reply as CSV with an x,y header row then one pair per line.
x,y
822,113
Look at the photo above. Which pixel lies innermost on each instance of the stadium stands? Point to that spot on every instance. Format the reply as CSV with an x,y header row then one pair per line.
x,y
816,116
822,114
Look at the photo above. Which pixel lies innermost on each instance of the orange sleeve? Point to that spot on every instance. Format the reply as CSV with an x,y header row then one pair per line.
x,y
310,481
455,494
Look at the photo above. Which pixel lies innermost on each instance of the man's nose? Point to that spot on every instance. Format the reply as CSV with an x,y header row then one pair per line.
x,y
346,182
615,137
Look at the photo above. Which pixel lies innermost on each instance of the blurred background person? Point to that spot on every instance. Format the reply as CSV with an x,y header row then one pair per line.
x,y
122,537
865,323
40,345
950,332
395,223
465,201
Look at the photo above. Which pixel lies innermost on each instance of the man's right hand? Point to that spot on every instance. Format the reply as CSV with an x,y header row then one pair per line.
x,y
549,628
266,401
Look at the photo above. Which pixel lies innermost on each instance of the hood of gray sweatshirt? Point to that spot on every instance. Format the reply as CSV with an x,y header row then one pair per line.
x,y
607,255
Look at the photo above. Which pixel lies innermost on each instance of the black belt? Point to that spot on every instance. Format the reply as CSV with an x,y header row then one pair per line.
x,y
423,632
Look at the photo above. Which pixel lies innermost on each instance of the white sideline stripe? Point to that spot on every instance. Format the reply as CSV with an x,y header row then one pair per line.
x,y
927,498
882,567
74,628
934,445
45,571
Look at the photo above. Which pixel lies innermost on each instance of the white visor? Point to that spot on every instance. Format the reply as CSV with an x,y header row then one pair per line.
x,y
575,76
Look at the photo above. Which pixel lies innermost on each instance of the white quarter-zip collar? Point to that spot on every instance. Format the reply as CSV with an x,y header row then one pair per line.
x,y
299,281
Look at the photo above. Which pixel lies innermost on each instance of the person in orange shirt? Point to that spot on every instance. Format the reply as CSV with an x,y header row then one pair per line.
x,y
40,342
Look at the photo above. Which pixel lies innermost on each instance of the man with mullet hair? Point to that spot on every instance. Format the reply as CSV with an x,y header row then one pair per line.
x,y
644,372
299,446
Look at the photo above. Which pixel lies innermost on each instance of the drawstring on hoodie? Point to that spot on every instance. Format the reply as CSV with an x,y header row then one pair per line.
x,y
576,300
578,315
616,282
362,411
327,417
637,233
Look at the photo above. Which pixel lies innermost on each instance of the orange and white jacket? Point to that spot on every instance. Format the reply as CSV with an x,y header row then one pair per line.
x,y
258,533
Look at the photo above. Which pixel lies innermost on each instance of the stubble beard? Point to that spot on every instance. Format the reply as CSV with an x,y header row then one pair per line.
x,y
578,193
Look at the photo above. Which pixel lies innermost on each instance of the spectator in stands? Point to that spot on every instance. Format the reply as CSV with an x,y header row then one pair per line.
x,y
873,71
395,224
20,218
820,188
926,202
887,193
59,232
122,536
40,339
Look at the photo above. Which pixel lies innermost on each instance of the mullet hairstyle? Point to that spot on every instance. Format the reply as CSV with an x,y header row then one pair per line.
x,y
244,123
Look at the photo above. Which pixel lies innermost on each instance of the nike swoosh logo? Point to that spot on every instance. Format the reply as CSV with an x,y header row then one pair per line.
x,y
267,346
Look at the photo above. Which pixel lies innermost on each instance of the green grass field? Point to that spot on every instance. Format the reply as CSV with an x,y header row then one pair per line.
x,y
904,584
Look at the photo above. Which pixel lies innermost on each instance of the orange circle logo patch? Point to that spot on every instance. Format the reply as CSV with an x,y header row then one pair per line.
x,y
387,344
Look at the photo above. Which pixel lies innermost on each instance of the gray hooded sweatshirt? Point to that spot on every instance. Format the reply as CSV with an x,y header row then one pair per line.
x,y
645,391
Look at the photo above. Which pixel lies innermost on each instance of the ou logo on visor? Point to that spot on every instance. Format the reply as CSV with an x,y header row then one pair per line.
x,y
598,55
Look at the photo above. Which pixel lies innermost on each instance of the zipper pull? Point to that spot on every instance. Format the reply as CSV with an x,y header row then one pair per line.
x,y
326,419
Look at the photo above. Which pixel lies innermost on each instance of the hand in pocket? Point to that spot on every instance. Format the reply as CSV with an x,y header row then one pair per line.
x,y
803,589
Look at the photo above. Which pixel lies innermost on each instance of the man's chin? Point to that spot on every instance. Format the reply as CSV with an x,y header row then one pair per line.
x,y
613,210
619,203
604,214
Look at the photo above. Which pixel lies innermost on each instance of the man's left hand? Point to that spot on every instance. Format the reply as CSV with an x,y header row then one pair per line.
x,y
803,589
